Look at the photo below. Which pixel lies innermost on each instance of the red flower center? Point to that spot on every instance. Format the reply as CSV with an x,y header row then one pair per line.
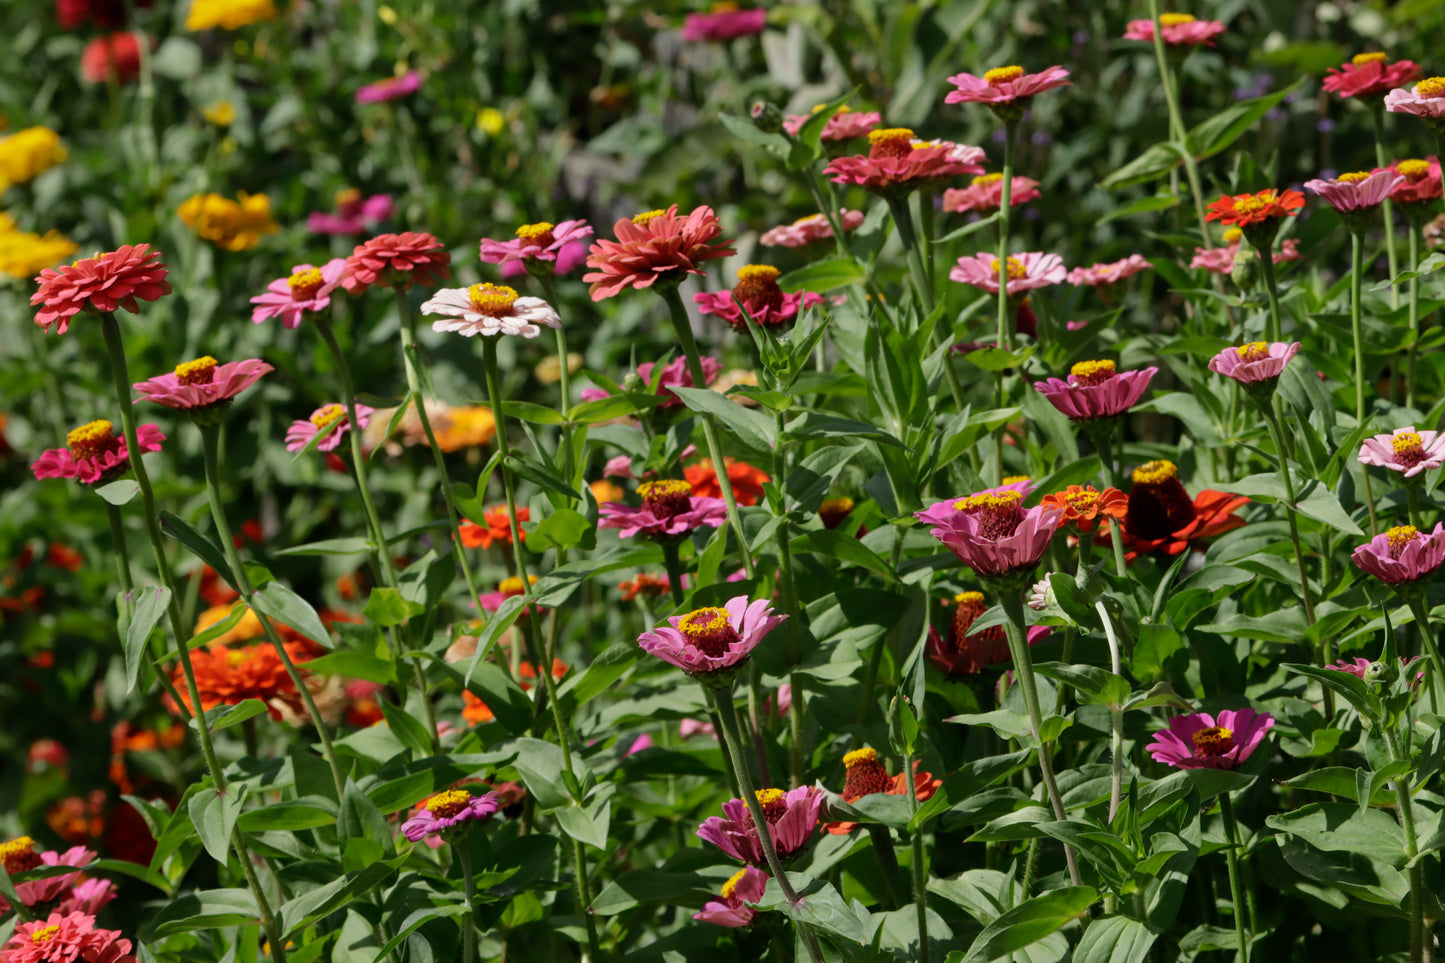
x,y
1158,503
890,142
999,513
1213,742
305,284
93,440
493,300
19,855
666,498
758,288
773,803
202,371
866,774
709,629
539,234
1401,536
1091,373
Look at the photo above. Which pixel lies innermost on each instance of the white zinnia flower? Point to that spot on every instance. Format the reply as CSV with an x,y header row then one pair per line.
x,y
489,309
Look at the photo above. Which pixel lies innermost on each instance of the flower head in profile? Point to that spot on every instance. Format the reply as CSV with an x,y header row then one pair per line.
x,y
992,533
19,855
397,260
963,652
65,937
757,293
203,384
675,374
231,225
391,88
1419,187
1204,741
1258,214
1178,30
1094,389
228,14
1371,76
1425,100
1356,194
28,153
1257,364
1085,506
724,22
95,454
652,247
806,230
985,193
865,776
497,529
539,245
1405,450
669,511
1106,277
745,886
299,435
1020,272
450,814
489,310
306,291
1006,90
792,816
713,640
747,481
846,124
96,285
1220,260
1162,518
1402,554
897,164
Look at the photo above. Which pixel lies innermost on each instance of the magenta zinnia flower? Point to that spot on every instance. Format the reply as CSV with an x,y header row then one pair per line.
x,y
95,454
299,435
746,886
397,260
65,938
202,383
353,215
1007,90
1370,75
541,242
1220,260
757,291
1405,450
792,817
1402,554
992,533
1025,272
1356,191
1095,390
675,374
715,639
391,88
1178,29
1425,100
307,291
1203,741
985,193
844,125
669,512
895,165
725,22
100,284
805,230
1255,362
88,897
450,814
1355,667
655,246
1104,275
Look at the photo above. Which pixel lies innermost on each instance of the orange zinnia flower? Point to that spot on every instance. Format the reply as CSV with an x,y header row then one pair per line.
x,y
1247,209
475,711
497,529
747,481
1083,505
867,776
227,676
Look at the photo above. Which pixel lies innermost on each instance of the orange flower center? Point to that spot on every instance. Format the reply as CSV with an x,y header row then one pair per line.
x,y
1090,373
1375,57
1353,177
866,774
999,76
1212,742
644,219
305,284
19,855
1431,87
347,195
202,371
1399,537
985,180
818,109
1175,19
732,884
890,142
1413,170
1154,473
325,416
92,440
493,300
540,233
666,497
709,629
1233,235
1001,512
45,933
1253,351
449,803
758,288
1013,266
772,802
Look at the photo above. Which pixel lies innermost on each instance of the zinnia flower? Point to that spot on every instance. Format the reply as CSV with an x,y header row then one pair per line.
x,y
968,653
1085,505
747,481
1162,518
1108,275
866,777
1204,741
227,675
507,588
676,374
19,856
725,22
1402,554
791,816
669,512
28,153
1356,667
992,533
450,814
985,193
100,284
758,293
1095,390
489,309
114,56
1405,450
1220,260
397,260
806,230
1425,100
895,166
497,529
645,584
299,435
1024,272
307,291
1006,90
202,384
746,886
1370,75
228,14
353,215
1255,363
1178,29
537,244
1420,186
846,124
232,225
655,246
392,88
1257,215
95,454
105,14
1355,195
24,255
712,640
65,938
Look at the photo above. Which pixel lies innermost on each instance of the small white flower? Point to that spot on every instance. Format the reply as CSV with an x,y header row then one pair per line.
x,y
489,309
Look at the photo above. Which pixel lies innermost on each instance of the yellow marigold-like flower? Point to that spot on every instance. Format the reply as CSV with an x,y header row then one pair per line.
x,y
222,113
233,225
490,121
24,255
466,427
228,14
28,153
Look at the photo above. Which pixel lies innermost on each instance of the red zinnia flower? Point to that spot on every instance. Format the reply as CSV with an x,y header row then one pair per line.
x,y
397,260
1249,209
100,284
1163,519
657,245
116,54
1371,75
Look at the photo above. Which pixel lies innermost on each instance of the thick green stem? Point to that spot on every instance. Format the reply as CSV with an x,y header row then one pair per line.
x,y
920,857
1377,120
710,698
564,375
1287,479
1236,892
1116,717
1176,118
469,892
1271,288
673,564
1357,267
1005,221
1411,374
1014,628
1412,848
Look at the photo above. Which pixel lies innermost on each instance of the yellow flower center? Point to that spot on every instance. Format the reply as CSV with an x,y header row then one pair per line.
x,y
1375,57
1413,170
325,416
1399,537
202,371
91,439
222,113
1233,235
1154,472
1014,479
732,883
305,284
449,803
968,598
999,76
44,934
1083,501
1090,373
758,272
835,506
1211,742
890,142
985,180
347,195
818,109
642,220
234,657
540,233
809,219
1407,443
709,630
772,802
513,585
1175,19
1353,177
493,300
1015,269
1431,87
1254,351
860,756
19,855
985,501
1254,202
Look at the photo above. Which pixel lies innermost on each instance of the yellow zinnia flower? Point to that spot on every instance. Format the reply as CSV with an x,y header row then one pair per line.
x,y
24,255
234,225
28,153
228,14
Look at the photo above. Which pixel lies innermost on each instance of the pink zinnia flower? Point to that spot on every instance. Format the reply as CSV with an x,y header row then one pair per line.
x,y
19,855
746,886
1421,183
1356,191
1405,450
543,241
202,383
844,125
1425,100
1255,362
88,897
95,454
100,284
792,817
1006,89
307,291
805,230
1025,272
1355,667
985,193
65,938
1179,30
353,215
992,533
397,260
757,291
449,814
1095,390
725,22
1220,260
1370,75
896,166
688,728
676,375
489,309
715,639
1402,554
669,511
1104,275
391,88
654,246
1204,741
299,435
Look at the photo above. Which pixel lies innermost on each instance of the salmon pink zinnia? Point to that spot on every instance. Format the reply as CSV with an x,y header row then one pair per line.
x,y
68,937
1204,741
1178,30
896,164
397,260
202,383
652,247
712,640
535,245
985,193
1024,272
757,293
97,285
1007,90
1357,194
805,230
844,125
306,291
1254,363
1425,100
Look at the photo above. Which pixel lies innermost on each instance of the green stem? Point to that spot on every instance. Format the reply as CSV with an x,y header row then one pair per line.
x,y
1377,120
1116,717
564,376
882,839
1412,500
1005,221
1277,432
673,564
1176,118
1412,848
469,891
1357,267
710,698
1236,893
920,857
1271,287
917,267
122,555
1421,611
1413,236
789,591
1013,607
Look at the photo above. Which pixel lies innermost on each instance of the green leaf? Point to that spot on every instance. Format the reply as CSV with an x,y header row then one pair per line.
x,y
539,476
1115,939
204,910
820,277
844,547
1096,685
299,913
356,665
615,406
540,765
1227,126
1031,921
1353,689
1150,165
753,428
1345,828
149,608
386,607
607,667
201,546
282,604
120,492
564,528
997,359
330,546
359,818
639,886
406,727
536,414
588,823
214,813
967,229
745,130
822,907
289,815
226,716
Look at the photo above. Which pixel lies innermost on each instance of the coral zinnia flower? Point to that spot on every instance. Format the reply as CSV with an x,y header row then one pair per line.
x,y
1024,272
969,653
676,374
397,260
992,533
725,22
95,454
392,88
1107,275
228,14
746,886
866,777
1006,90
100,284
985,193
1178,29
115,55
712,640
307,291
1421,184
1405,450
792,817
1246,210
233,225
1085,505
896,166
758,293
1425,100
535,243
655,246
1204,741
19,855
846,124
1370,75
450,814
228,676
497,529
299,435
1162,518
645,584
1254,363
670,511
69,937
28,153
489,310
1402,554
202,383
747,481
1095,390
805,230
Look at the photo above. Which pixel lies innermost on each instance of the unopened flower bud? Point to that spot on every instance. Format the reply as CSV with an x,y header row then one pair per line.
x,y
767,117
1245,273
